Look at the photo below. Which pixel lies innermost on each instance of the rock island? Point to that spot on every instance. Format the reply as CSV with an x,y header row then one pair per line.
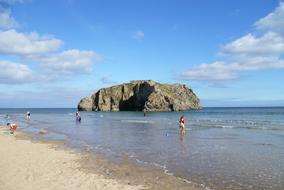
x,y
141,95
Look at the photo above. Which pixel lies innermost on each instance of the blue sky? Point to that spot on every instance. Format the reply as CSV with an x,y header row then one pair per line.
x,y
52,53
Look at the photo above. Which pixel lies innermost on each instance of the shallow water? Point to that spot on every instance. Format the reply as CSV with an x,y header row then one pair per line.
x,y
223,148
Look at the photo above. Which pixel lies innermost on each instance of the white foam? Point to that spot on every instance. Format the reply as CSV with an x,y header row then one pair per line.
x,y
136,121
167,172
228,126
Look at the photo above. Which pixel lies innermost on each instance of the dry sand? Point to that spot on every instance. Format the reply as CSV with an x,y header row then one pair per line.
x,y
26,165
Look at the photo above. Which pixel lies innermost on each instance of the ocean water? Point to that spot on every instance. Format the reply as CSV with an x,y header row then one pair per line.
x,y
223,148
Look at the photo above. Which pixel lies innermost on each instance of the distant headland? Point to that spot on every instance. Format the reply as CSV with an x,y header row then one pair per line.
x,y
141,95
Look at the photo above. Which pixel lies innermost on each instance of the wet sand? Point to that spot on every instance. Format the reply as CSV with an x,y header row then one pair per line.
x,y
27,163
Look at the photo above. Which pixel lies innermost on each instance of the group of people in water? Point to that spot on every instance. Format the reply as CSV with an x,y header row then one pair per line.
x,y
13,126
182,121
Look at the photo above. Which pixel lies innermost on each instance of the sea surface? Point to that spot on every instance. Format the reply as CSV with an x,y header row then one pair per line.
x,y
223,148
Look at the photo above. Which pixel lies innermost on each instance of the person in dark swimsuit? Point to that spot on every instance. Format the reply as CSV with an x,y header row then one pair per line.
x,y
78,117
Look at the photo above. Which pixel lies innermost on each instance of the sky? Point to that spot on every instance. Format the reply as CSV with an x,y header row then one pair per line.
x,y
53,53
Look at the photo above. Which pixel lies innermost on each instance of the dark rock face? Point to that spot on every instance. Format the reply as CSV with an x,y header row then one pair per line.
x,y
141,95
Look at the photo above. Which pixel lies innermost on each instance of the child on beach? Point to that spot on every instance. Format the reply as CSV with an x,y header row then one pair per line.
x,y
13,127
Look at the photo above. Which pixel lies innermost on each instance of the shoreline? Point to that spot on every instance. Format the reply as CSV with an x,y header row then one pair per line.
x,y
31,162
33,165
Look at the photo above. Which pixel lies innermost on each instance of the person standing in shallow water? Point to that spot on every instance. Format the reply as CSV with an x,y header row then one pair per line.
x,y
28,115
182,123
78,117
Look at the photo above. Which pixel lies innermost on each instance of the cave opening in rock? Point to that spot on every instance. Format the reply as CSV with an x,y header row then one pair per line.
x,y
137,101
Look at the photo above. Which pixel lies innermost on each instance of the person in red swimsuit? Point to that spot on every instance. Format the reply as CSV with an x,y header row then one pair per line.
x,y
13,127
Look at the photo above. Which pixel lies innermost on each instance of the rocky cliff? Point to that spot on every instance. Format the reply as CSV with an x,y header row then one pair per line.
x,y
141,95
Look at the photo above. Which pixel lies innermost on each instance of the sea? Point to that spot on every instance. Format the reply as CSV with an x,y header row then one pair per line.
x,y
222,148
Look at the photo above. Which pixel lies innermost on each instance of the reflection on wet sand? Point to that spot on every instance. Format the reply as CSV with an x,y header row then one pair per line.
x,y
182,136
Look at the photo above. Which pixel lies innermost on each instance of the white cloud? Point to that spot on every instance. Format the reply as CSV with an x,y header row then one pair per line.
x,y
6,20
219,71
273,21
269,43
11,73
70,61
35,48
215,71
139,35
16,43
108,80
248,53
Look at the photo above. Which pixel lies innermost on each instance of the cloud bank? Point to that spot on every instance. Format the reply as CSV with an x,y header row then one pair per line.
x,y
251,52
71,61
38,49
11,73
16,43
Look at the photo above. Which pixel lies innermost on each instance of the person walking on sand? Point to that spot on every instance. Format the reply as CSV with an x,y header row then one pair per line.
x,y
182,123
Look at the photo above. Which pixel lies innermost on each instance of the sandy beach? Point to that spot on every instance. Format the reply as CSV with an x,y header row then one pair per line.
x,y
27,165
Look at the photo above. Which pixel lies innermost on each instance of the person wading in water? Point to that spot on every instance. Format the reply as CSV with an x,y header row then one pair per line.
x,y
182,123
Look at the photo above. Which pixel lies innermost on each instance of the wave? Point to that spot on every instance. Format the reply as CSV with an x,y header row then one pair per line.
x,y
257,127
246,122
136,121
228,126
258,124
